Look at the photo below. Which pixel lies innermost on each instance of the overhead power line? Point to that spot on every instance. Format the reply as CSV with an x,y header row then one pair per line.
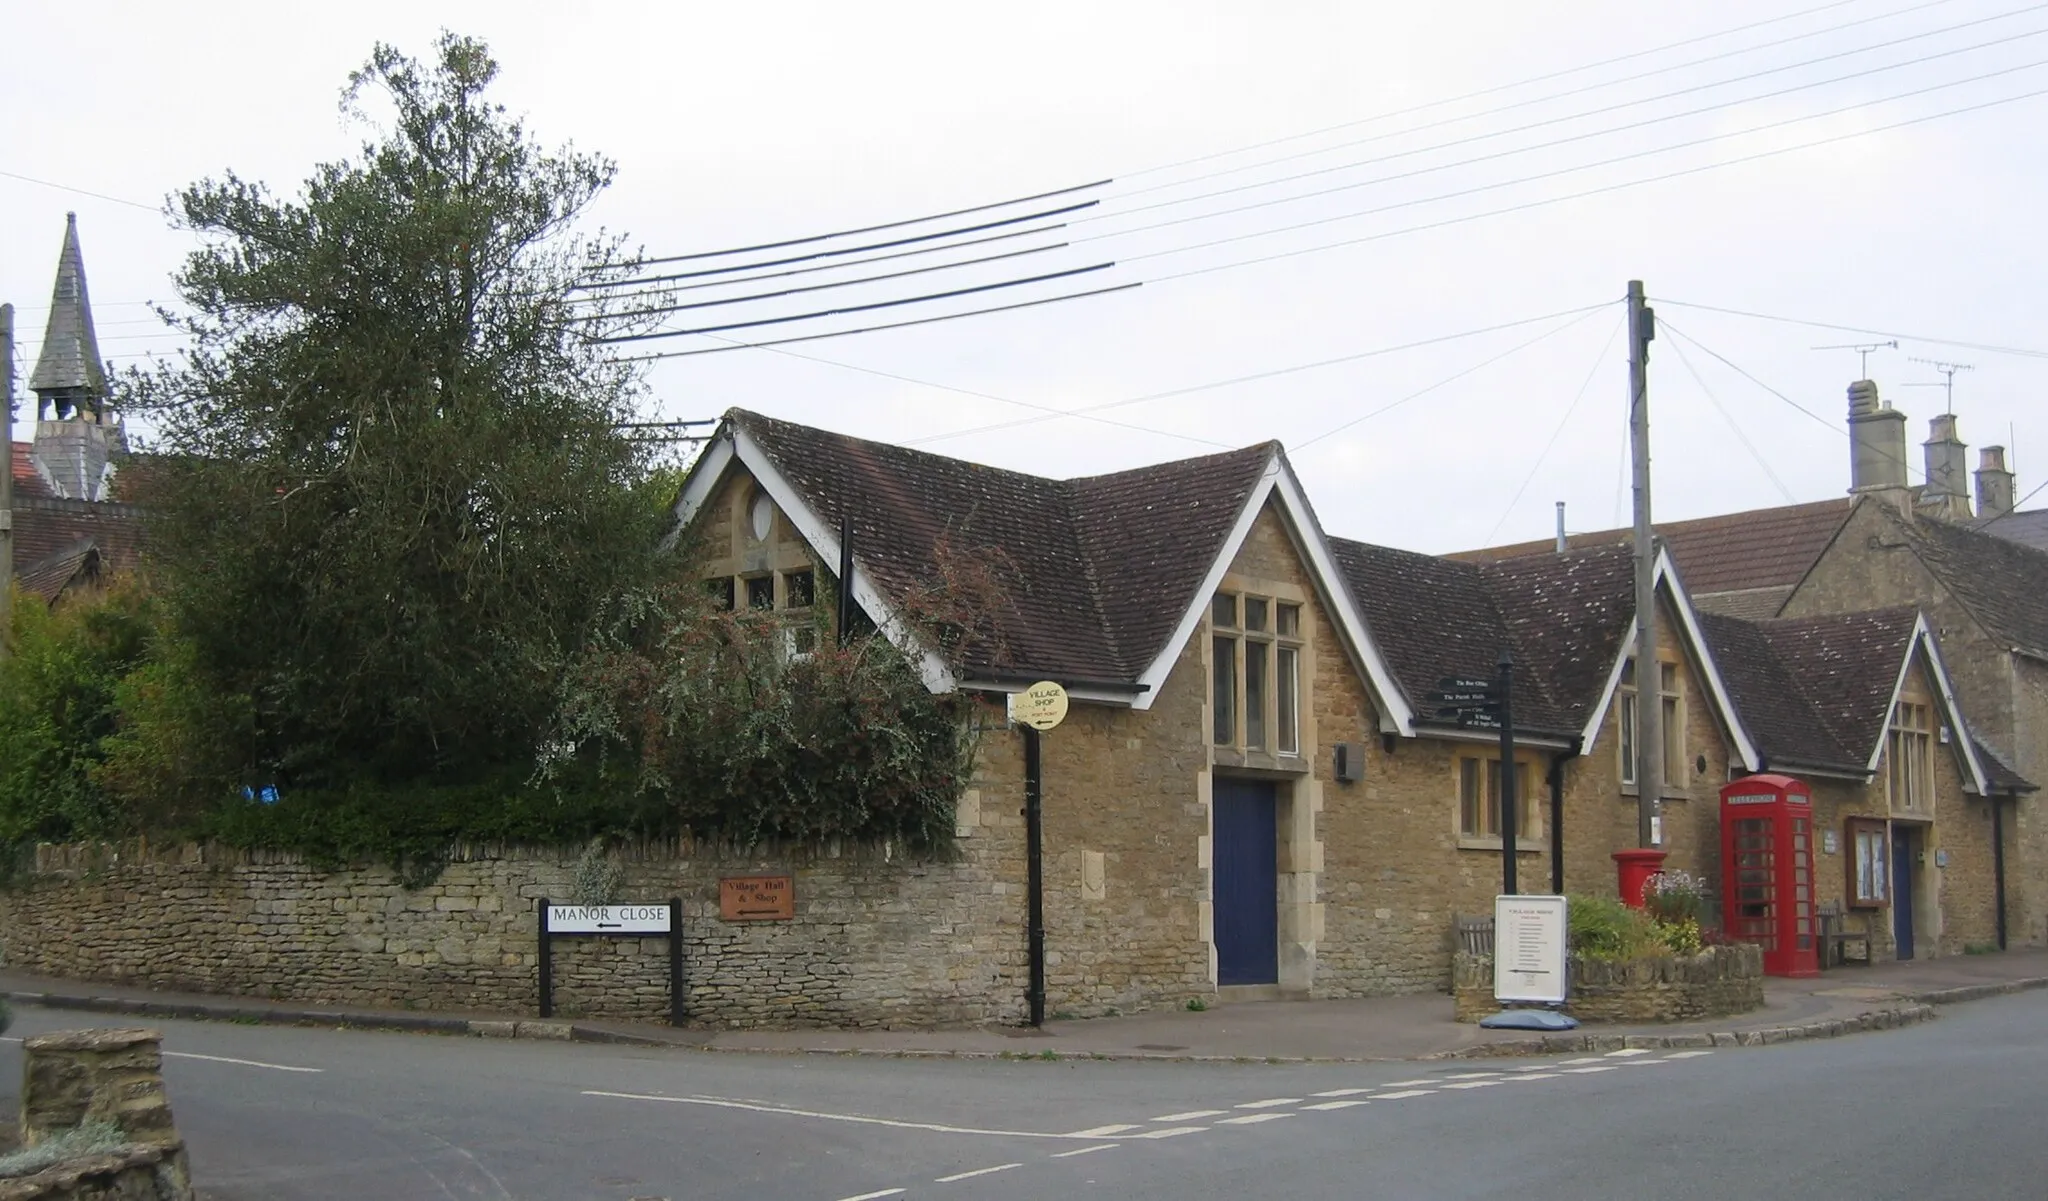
x,y
1734,426
1490,135
1599,361
65,187
1521,83
1986,347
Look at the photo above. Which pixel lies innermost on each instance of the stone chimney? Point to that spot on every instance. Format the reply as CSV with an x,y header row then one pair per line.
x,y
1947,494
1877,443
1994,483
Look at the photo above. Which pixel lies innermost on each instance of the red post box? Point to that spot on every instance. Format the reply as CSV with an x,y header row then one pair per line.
x,y
1767,871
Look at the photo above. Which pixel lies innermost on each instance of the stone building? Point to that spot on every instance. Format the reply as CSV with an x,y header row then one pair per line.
x,y
71,530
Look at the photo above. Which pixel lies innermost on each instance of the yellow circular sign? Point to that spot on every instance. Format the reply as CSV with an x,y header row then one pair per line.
x,y
1041,706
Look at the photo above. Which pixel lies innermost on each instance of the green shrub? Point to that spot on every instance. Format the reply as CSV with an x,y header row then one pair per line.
x,y
1676,898
1604,928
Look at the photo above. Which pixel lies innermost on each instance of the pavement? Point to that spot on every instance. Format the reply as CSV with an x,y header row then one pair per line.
x,y
1418,1026
291,1113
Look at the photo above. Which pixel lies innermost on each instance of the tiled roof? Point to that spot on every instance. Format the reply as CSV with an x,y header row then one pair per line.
x,y
1563,616
2028,529
1776,710
2003,779
48,527
2004,584
1847,665
27,480
1095,572
1734,552
48,579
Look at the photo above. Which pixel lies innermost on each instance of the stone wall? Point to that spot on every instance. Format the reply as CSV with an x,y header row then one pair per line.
x,y
877,939
133,1173
113,1077
1718,982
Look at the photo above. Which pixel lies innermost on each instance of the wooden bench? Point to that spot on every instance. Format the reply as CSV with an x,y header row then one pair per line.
x,y
1835,937
1475,935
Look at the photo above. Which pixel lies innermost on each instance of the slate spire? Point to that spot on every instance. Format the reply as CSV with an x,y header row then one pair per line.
x,y
69,378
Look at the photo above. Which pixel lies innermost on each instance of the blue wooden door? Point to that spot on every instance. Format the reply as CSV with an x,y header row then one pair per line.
x,y
1244,854
1902,891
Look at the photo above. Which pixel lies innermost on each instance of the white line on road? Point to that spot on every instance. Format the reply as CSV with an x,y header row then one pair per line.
x,y
1535,1076
1643,1063
861,1119
1687,1054
1191,1115
1572,1062
1413,1092
1471,1075
887,1192
1090,1149
1269,1103
1335,1105
1253,1119
1344,1092
1102,1131
1589,1071
247,1063
979,1172
1628,1053
1171,1132
1475,1084
1405,1083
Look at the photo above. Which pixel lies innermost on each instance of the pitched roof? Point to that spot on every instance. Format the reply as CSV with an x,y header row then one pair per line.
x,y
27,480
2029,528
1096,572
47,527
2004,584
1816,691
70,358
2003,779
1563,616
1783,720
49,578
1762,550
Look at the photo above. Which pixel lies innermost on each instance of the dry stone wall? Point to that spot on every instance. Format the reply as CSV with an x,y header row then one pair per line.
x,y
877,939
1717,982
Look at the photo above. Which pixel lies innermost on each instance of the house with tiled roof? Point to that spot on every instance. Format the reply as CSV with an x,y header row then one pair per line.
x,y
70,530
1253,793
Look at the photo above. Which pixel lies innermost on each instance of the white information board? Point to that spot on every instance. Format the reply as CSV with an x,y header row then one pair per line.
x,y
608,919
1529,949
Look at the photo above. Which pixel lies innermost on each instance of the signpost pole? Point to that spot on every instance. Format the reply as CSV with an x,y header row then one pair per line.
x,y
547,965
675,961
1509,803
1034,884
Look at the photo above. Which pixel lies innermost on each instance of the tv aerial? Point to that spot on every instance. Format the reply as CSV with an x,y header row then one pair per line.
x,y
1863,350
1948,380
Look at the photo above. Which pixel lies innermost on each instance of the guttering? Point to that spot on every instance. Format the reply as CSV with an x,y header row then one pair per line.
x,y
1071,683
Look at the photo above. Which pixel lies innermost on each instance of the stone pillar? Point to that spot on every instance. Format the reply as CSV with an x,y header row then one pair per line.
x,y
74,1076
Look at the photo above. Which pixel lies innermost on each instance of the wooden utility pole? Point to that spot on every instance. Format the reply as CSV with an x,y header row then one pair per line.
x,y
1642,327
7,481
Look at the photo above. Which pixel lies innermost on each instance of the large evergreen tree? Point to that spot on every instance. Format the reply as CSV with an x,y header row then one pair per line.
x,y
393,488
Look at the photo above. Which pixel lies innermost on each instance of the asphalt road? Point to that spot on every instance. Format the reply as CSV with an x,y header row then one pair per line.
x,y
1948,1109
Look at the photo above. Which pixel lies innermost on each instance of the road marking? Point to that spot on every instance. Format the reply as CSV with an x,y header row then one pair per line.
x,y
980,1172
860,1119
1405,1083
9,1039
1535,1076
247,1063
1269,1103
1471,1075
1191,1115
1102,1131
1335,1105
887,1192
1587,1059
1643,1063
1589,1071
1087,1150
1413,1092
1687,1054
1253,1119
1171,1132
1628,1053
1475,1084
1344,1092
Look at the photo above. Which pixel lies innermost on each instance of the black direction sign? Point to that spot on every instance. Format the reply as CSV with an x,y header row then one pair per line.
x,y
1465,684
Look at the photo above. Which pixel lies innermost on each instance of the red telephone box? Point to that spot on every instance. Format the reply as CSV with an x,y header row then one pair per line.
x,y
1767,871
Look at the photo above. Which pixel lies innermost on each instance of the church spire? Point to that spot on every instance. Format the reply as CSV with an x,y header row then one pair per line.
x,y
69,378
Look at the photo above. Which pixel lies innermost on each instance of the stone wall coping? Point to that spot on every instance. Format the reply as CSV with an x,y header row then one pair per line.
x,y
93,1040
63,1179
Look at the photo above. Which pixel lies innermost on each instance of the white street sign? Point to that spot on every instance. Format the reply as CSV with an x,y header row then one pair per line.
x,y
608,919
1529,949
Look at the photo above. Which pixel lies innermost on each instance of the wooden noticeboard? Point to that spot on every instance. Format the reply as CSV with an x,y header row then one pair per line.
x,y
757,898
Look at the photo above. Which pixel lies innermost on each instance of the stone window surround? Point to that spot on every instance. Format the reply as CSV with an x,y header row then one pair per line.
x,y
1909,745
1676,786
1298,792
1530,836
748,558
1235,753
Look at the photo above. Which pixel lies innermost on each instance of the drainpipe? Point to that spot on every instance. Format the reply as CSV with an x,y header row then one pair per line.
x,y
1557,762
1998,865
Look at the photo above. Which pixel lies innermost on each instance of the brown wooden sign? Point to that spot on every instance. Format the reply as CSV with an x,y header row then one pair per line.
x,y
757,898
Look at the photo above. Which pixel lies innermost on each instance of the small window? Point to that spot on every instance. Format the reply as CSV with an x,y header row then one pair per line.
x,y
799,641
1256,664
1868,862
1255,614
1479,800
1287,620
1223,677
761,592
1223,613
1287,697
798,588
720,590
761,517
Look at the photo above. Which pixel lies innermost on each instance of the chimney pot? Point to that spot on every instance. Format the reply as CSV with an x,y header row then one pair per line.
x,y
1994,483
1947,494
1877,443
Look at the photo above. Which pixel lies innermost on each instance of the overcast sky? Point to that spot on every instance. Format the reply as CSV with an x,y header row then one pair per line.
x,y
736,124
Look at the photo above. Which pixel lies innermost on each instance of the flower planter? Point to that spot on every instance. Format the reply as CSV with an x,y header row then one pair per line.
x,y
1717,982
